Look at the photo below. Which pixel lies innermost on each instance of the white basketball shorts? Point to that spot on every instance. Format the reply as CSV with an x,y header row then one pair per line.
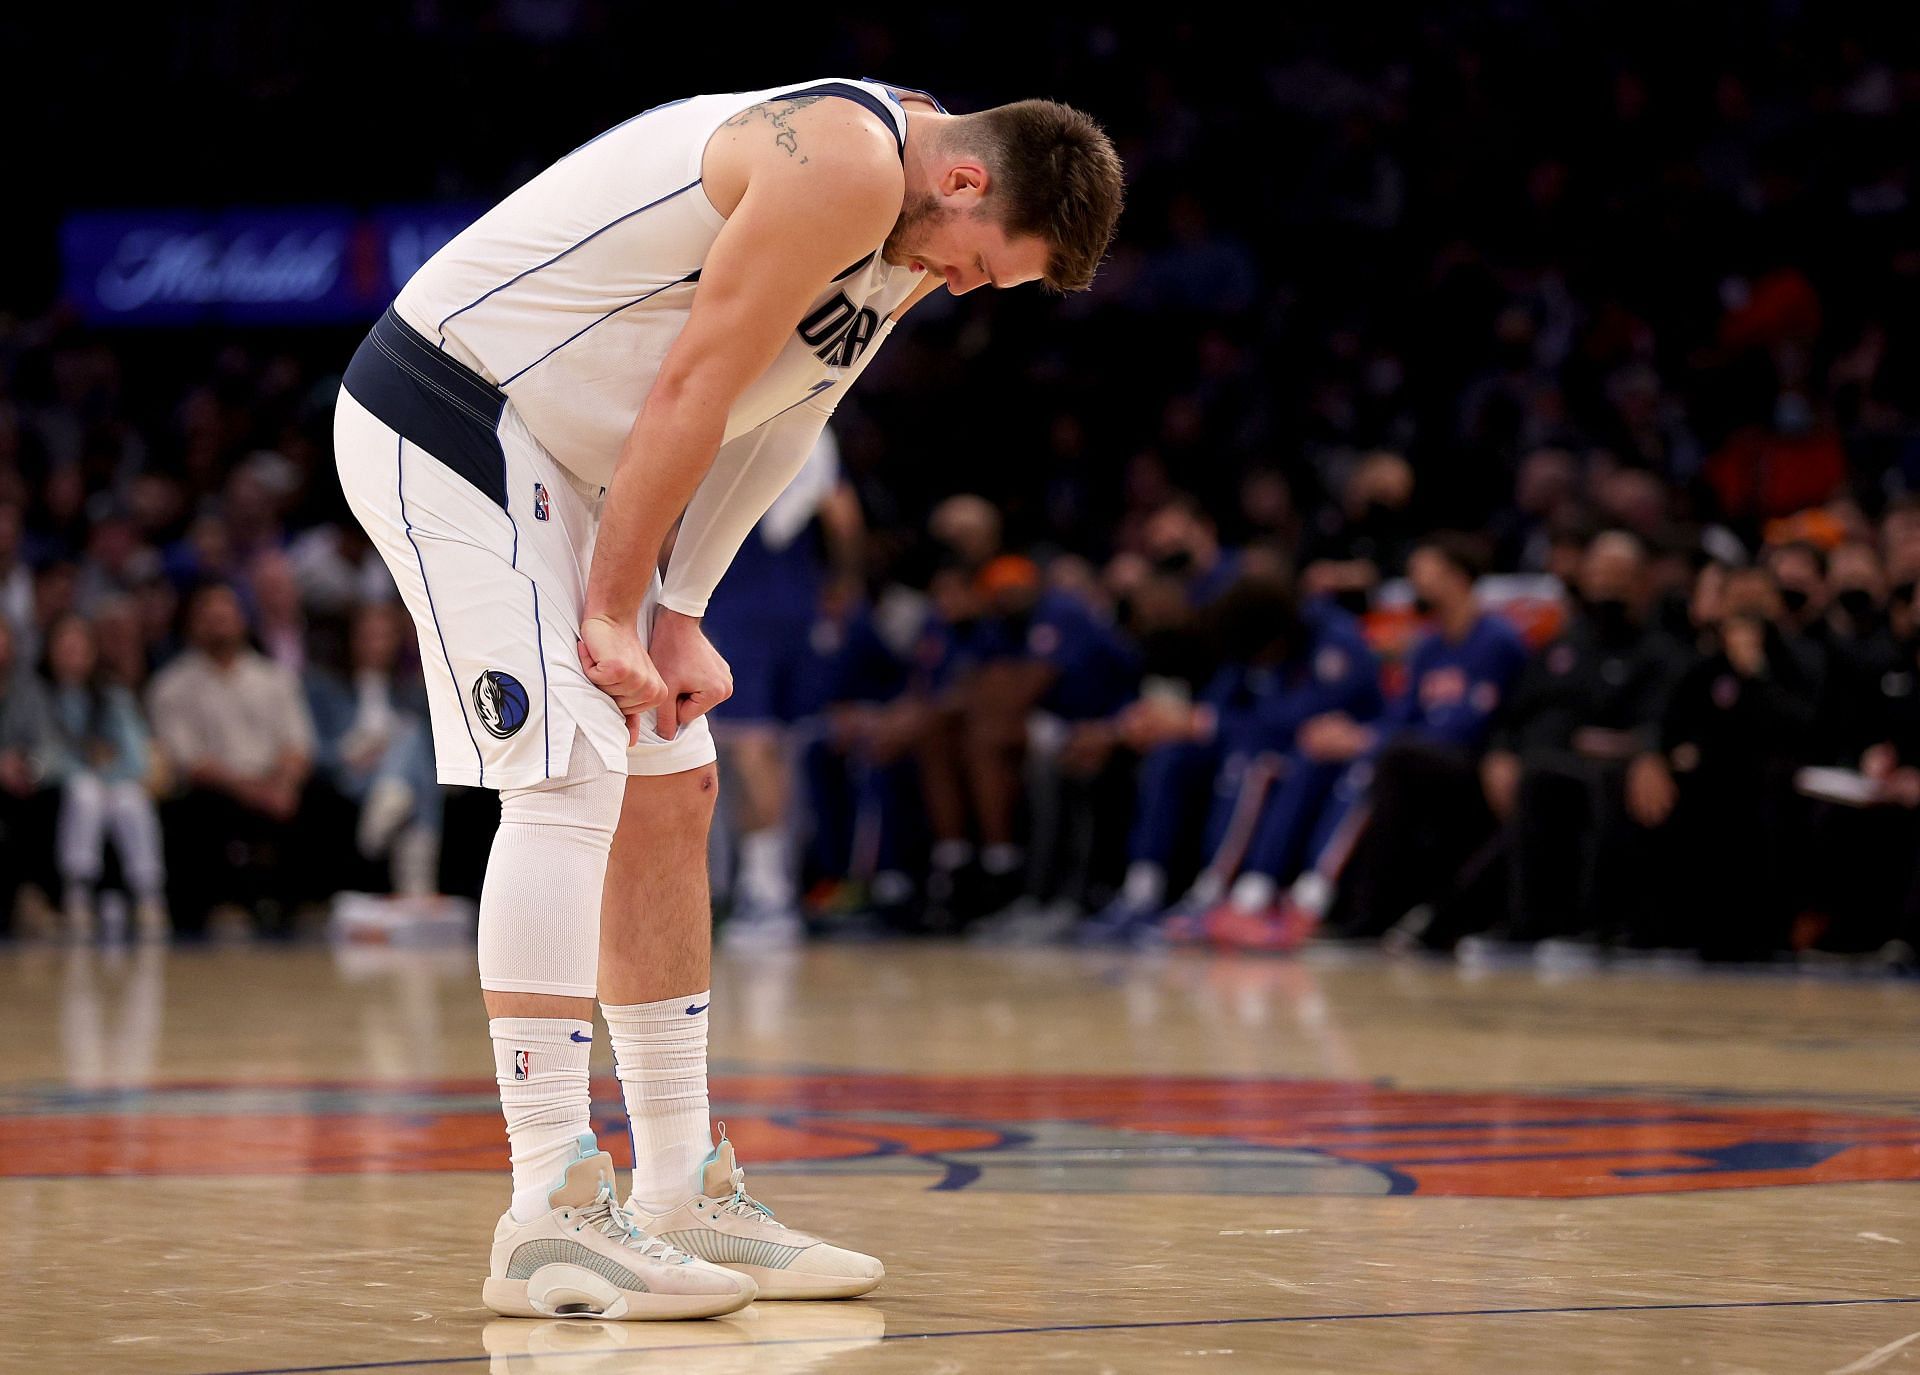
x,y
489,540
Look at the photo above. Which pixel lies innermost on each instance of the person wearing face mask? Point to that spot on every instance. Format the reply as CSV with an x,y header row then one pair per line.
x,y
1181,541
1737,724
1800,571
1406,792
1860,644
1367,539
1573,771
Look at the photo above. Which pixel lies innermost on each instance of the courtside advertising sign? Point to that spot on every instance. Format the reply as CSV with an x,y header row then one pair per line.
x,y
307,265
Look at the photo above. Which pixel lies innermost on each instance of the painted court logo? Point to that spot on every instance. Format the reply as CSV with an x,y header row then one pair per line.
x,y
500,702
1104,1134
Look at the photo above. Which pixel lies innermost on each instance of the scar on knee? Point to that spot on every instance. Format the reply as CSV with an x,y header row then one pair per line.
x,y
709,781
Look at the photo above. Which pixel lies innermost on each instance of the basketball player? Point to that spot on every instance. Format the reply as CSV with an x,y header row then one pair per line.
x,y
655,328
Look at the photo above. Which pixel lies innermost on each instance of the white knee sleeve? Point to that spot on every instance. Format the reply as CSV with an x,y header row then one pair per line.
x,y
540,904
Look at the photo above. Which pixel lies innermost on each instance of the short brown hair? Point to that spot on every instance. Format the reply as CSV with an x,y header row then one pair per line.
x,y
1057,177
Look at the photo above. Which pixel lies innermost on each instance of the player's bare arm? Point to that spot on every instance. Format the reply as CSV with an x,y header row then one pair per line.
x,y
805,191
695,678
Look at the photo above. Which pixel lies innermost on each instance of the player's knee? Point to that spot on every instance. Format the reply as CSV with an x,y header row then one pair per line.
x,y
687,797
586,801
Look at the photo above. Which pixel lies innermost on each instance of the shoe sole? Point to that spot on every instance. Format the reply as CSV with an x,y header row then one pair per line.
x,y
587,1298
786,1284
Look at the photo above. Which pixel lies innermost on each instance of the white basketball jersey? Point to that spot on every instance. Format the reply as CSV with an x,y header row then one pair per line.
x,y
568,294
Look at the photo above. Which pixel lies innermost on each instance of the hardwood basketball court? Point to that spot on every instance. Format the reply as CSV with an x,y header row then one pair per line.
x,y
291,1159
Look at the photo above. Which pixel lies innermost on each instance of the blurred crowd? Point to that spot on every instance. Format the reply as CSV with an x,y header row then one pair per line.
x,y
1476,504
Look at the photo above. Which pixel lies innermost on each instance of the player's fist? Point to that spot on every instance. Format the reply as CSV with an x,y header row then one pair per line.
x,y
697,678
615,661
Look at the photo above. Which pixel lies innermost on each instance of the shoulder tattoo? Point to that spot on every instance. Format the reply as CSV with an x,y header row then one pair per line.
x,y
777,113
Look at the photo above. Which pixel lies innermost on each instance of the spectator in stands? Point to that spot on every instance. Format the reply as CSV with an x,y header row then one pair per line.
x,y
120,643
1861,650
1366,538
16,579
1182,541
374,746
238,736
31,759
1574,771
1736,725
279,619
106,787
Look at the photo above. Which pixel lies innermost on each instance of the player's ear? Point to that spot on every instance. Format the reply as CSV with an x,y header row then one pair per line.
x,y
965,180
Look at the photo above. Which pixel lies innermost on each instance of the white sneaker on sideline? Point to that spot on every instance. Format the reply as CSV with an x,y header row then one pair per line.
x,y
588,1258
753,927
725,1225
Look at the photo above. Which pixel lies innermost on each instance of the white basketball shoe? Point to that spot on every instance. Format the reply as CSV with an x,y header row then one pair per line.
x,y
588,1258
725,1225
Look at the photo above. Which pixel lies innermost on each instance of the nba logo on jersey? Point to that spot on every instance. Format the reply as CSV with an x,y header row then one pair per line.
x,y
539,501
520,1063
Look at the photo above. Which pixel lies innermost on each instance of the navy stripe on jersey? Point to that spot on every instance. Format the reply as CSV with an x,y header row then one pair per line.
x,y
910,90
568,249
642,115
400,491
841,277
691,277
859,95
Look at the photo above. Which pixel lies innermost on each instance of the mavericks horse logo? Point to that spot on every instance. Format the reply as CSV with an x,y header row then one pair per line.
x,y
501,702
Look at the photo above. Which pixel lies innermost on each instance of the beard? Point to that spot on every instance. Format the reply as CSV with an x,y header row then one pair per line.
x,y
919,216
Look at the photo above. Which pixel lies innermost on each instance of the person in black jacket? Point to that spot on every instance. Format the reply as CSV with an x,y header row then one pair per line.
x,y
1574,769
1737,724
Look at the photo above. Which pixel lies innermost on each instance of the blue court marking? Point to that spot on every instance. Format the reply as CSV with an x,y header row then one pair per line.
x,y
1151,1326
442,326
400,490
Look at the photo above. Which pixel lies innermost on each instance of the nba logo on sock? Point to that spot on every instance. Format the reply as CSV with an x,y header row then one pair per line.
x,y
520,1063
539,501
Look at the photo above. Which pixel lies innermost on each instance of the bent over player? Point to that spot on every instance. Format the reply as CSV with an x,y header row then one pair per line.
x,y
660,323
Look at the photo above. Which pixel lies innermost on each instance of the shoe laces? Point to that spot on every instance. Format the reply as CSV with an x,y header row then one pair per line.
x,y
741,1203
607,1217
744,1204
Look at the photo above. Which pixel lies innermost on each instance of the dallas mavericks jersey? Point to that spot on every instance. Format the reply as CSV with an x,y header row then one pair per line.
x,y
568,294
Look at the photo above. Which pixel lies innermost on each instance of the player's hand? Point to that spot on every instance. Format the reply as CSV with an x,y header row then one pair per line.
x,y
697,678
1500,780
1333,737
1651,791
617,663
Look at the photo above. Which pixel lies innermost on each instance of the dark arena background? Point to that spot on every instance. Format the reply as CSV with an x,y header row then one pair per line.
x,y
1345,800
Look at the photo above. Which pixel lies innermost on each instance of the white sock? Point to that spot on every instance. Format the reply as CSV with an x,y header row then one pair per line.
x,y
1002,859
540,1064
660,1054
1145,884
1313,892
949,855
1253,892
766,875
1206,889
